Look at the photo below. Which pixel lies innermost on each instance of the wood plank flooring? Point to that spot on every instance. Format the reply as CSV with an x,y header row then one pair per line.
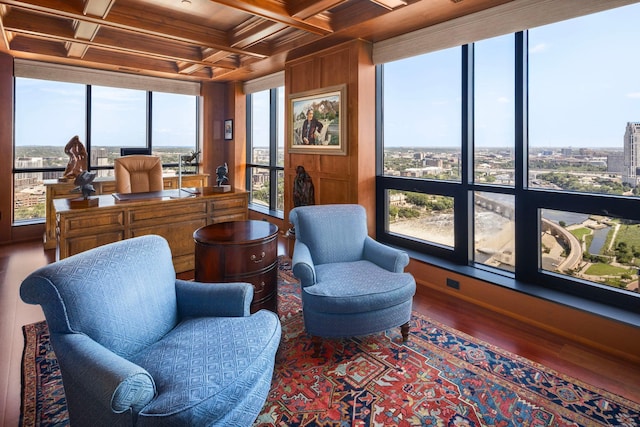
x,y
593,367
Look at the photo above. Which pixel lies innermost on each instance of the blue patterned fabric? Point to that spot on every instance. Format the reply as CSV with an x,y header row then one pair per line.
x,y
351,284
136,346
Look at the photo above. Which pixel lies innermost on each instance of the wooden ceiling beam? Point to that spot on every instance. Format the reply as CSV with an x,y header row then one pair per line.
x,y
87,30
276,11
25,24
4,46
304,9
253,31
145,23
98,8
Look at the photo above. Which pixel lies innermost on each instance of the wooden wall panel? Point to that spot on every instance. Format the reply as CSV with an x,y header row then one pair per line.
x,y
333,191
336,67
302,76
338,179
610,336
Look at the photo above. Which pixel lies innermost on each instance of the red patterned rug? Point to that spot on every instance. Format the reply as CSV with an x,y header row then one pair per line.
x,y
441,377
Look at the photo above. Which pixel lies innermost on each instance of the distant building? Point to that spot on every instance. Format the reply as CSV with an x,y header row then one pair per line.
x,y
631,153
615,163
27,179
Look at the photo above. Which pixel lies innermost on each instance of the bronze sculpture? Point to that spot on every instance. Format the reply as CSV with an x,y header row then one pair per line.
x,y
221,173
303,190
77,158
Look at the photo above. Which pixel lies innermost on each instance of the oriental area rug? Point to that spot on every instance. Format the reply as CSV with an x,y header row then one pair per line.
x,y
441,377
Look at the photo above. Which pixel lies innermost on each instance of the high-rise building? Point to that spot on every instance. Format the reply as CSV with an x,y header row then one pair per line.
x,y
631,154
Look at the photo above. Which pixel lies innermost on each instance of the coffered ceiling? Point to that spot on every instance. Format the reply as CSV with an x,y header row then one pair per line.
x,y
206,40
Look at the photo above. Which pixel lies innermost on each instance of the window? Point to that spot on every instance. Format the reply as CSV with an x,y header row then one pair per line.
x,y
547,188
423,140
49,113
174,127
265,150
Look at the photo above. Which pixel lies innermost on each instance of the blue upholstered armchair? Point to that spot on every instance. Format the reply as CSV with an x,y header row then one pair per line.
x,y
351,284
136,346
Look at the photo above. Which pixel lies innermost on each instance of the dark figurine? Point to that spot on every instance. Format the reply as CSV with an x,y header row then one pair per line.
x,y
303,191
221,173
77,158
84,184
187,160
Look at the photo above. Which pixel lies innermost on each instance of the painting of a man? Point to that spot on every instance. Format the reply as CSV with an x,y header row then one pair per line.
x,y
316,123
311,128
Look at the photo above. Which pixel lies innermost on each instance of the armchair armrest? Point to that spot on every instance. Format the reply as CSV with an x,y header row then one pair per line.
x,y
389,258
302,264
106,378
196,299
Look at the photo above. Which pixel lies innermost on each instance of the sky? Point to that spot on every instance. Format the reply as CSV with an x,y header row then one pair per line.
x,y
584,79
584,88
51,113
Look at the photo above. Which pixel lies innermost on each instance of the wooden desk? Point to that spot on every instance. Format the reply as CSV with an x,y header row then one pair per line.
x,y
240,251
175,219
103,185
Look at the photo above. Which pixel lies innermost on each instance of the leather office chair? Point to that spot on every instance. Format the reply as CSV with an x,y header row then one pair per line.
x,y
351,284
138,174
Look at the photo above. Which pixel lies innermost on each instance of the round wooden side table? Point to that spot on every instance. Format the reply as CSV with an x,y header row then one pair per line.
x,y
240,251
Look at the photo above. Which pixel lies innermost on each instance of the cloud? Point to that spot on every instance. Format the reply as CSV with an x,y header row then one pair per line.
x,y
539,48
634,95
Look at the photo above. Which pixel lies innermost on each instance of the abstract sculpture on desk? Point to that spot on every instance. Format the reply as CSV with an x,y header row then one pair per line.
x,y
84,184
77,158
221,173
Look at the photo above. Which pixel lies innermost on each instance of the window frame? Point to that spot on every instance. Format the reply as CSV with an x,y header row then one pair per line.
x,y
272,167
88,143
528,276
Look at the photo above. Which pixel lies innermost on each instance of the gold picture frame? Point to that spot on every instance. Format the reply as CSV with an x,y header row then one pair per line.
x,y
317,121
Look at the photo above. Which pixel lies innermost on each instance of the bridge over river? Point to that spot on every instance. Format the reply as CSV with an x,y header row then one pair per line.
x,y
506,210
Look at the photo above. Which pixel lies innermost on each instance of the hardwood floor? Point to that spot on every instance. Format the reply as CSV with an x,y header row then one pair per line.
x,y
593,367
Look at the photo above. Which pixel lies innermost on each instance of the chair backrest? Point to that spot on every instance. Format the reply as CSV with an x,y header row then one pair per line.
x,y
121,295
138,174
333,233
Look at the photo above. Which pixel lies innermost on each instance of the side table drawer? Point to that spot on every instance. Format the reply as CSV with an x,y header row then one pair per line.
x,y
264,284
247,259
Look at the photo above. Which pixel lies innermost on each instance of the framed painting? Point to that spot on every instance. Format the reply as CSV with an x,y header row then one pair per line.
x,y
318,121
228,129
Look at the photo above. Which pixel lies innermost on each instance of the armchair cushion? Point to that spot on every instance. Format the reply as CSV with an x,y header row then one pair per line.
x,y
370,288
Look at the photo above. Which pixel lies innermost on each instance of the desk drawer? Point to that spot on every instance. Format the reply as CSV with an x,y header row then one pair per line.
x,y
168,213
234,203
72,224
